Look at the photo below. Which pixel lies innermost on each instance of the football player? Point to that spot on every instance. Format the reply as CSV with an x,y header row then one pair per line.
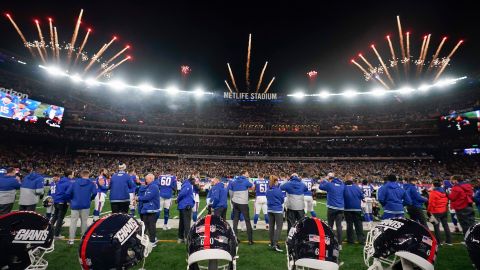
x,y
102,186
307,197
367,203
261,187
167,184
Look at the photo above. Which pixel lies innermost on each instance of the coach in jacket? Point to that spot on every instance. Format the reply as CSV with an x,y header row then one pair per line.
x,y
120,186
60,202
238,189
353,210
393,198
185,202
416,209
438,207
295,190
9,184
461,197
31,190
335,189
218,198
150,199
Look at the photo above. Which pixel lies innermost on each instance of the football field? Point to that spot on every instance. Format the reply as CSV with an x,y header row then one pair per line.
x,y
170,255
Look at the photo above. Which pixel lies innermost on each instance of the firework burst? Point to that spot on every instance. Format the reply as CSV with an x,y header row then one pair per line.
x,y
69,56
247,73
387,73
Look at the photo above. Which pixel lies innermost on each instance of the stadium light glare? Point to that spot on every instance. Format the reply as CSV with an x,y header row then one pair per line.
x,y
324,94
55,71
146,87
199,92
424,87
406,90
76,78
298,95
117,85
91,82
444,82
172,90
350,93
378,92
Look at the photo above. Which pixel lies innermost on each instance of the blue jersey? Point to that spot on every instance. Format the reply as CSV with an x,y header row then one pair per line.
x,y
281,182
309,183
7,110
99,188
167,184
367,191
261,187
52,185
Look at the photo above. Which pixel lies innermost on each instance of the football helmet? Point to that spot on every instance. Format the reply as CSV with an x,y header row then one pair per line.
x,y
25,237
472,240
115,241
48,201
311,244
210,242
400,243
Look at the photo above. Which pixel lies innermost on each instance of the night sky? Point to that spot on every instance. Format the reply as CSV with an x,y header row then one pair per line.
x,y
294,37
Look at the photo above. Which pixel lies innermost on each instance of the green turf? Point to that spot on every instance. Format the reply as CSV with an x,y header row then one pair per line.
x,y
173,256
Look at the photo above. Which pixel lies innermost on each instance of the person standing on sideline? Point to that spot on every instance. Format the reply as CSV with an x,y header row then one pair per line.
x,y
438,207
60,202
353,210
120,186
81,193
218,198
167,184
239,194
134,178
31,190
295,199
461,197
101,183
393,198
9,184
261,187
447,185
150,199
308,196
367,203
48,202
185,202
476,196
335,189
415,211
275,200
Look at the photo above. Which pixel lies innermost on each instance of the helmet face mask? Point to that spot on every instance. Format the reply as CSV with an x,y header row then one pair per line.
x,y
211,244
400,242
115,241
311,244
472,241
25,237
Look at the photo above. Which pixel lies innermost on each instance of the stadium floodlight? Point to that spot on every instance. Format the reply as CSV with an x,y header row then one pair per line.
x,y
172,90
76,78
444,82
378,92
424,87
91,82
324,94
406,90
146,87
199,92
298,95
117,85
55,71
350,93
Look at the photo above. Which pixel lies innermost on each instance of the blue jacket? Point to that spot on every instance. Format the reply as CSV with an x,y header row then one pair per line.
x,y
275,199
335,193
417,199
239,187
120,186
81,193
185,196
61,187
294,187
8,189
150,198
218,196
393,198
31,189
141,191
353,196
